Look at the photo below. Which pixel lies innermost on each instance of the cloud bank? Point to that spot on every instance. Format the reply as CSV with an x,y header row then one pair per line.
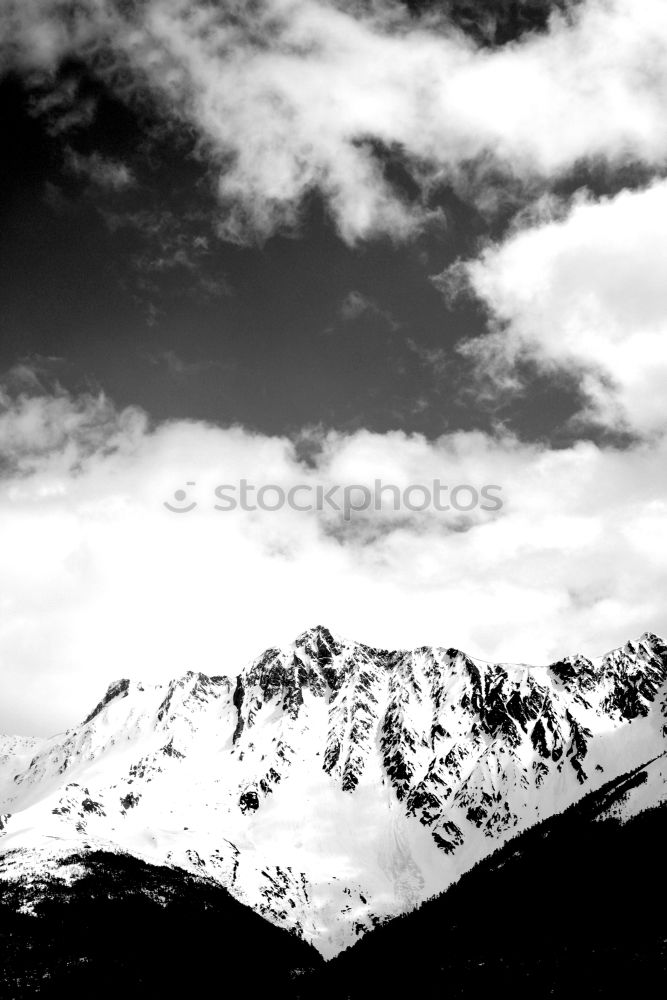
x,y
98,580
584,294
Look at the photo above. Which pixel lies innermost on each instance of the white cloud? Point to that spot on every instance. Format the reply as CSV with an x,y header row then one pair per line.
x,y
99,580
56,431
585,294
291,96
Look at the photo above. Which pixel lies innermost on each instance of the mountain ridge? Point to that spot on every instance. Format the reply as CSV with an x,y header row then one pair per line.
x,y
332,785
573,917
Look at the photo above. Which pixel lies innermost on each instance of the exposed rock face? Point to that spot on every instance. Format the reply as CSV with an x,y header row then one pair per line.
x,y
332,785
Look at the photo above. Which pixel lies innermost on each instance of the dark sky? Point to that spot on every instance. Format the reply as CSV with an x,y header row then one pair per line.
x,y
130,289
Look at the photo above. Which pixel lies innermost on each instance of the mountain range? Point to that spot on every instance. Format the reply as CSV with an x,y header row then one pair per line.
x,y
330,787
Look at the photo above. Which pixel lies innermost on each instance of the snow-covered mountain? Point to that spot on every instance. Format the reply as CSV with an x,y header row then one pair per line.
x,y
569,907
331,785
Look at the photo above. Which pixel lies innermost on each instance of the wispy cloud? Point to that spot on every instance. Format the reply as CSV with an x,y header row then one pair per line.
x,y
112,175
179,368
172,245
288,97
61,106
356,306
436,359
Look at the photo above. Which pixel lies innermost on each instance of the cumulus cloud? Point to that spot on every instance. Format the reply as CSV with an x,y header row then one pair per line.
x,y
585,294
99,580
57,432
288,97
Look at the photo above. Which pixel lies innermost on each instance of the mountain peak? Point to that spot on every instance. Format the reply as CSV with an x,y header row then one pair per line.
x,y
315,633
652,638
116,689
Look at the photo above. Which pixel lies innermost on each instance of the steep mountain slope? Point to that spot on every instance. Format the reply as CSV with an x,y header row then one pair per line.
x,y
15,753
331,785
572,907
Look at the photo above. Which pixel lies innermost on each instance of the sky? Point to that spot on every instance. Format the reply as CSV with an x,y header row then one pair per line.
x,y
309,243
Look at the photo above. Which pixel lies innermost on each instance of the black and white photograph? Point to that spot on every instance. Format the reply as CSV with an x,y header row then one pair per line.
x,y
333,499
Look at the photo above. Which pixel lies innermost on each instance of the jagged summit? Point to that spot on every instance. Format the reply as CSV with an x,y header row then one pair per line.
x,y
319,649
317,632
331,784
